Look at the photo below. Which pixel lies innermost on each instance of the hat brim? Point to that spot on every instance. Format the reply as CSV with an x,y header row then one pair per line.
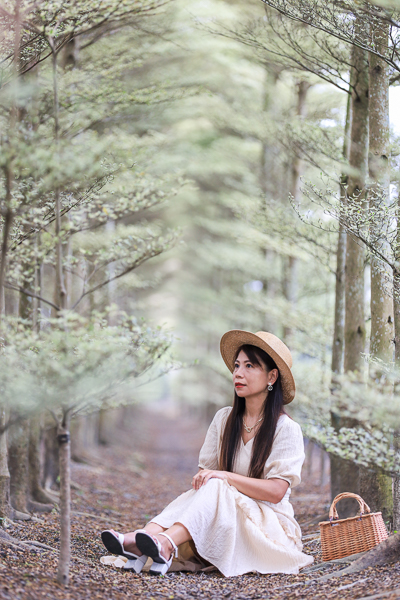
x,y
232,340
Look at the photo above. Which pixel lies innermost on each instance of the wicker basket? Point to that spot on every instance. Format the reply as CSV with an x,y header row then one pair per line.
x,y
342,537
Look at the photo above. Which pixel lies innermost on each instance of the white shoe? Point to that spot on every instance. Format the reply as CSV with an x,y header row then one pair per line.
x,y
115,544
136,564
151,547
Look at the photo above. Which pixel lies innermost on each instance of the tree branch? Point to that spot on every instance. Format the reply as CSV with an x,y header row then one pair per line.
x,y
110,279
31,294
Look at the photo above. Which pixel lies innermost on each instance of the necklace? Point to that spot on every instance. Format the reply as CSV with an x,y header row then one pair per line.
x,y
249,429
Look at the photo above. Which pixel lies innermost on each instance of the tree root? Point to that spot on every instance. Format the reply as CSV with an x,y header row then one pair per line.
x,y
76,486
33,545
40,545
44,497
336,561
16,543
349,585
4,535
52,494
384,553
381,595
17,515
314,520
39,507
310,536
86,459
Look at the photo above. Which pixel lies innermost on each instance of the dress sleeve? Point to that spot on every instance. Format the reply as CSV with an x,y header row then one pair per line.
x,y
287,454
208,458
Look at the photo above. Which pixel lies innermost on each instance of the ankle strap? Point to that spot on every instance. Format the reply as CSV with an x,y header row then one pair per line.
x,y
174,546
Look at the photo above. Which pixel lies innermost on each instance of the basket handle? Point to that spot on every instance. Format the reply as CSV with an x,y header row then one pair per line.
x,y
364,508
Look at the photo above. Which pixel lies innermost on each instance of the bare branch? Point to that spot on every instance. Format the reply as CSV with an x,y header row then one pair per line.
x,y
31,294
110,279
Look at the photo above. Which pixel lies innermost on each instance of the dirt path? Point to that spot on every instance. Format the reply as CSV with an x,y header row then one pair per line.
x,y
129,482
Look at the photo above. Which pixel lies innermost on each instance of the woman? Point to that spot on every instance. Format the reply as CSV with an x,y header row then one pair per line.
x,y
238,513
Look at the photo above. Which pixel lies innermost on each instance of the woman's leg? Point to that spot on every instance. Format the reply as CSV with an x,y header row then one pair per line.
x,y
177,532
130,537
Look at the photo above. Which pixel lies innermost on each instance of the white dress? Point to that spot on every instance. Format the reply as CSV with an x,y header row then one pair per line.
x,y
233,532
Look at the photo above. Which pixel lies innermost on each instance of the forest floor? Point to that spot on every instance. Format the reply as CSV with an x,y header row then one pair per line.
x,y
133,479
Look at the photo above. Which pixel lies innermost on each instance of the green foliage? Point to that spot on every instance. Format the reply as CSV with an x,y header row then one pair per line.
x,y
349,22
77,364
371,403
372,449
48,24
61,158
165,130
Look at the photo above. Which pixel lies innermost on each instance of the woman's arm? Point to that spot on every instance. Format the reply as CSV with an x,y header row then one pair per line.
x,y
271,490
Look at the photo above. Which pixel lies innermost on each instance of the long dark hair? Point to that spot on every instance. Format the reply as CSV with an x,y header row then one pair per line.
x,y
272,409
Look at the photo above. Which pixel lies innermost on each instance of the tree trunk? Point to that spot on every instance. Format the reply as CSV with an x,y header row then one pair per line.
x,y
78,439
344,474
8,214
269,150
396,311
268,184
381,302
355,253
60,293
5,507
338,333
291,267
107,425
396,489
376,490
340,469
27,472
64,444
25,303
18,439
36,304
36,492
375,487
51,469
346,479
7,224
103,427
69,54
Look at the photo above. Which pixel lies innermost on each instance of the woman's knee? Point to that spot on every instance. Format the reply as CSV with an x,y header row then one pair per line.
x,y
213,483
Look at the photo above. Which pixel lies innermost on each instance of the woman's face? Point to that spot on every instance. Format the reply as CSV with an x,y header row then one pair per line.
x,y
251,380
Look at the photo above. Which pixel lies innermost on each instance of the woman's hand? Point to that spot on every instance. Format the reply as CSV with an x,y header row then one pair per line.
x,y
204,475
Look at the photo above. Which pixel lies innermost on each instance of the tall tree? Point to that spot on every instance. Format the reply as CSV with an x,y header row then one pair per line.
x,y
338,465
13,19
339,318
347,476
376,487
378,195
291,267
355,253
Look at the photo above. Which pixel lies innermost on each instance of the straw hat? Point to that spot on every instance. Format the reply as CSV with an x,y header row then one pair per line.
x,y
231,341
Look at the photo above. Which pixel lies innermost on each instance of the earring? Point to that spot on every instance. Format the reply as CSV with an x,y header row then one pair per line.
x,y
270,387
